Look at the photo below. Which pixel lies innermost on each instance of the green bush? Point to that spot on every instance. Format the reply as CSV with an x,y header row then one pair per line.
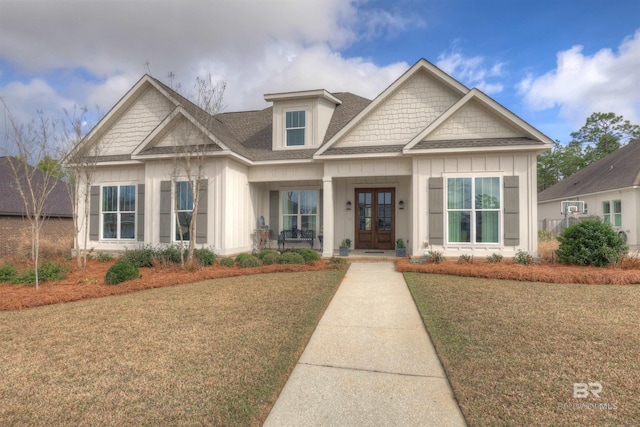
x,y
309,255
142,257
272,257
8,273
291,258
590,242
121,271
170,254
495,258
47,271
266,252
104,257
523,257
337,261
205,257
227,262
247,261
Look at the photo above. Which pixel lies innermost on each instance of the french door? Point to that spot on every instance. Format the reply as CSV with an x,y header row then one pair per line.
x,y
375,218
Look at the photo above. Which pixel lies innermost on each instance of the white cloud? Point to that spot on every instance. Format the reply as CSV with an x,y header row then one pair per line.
x,y
471,71
580,84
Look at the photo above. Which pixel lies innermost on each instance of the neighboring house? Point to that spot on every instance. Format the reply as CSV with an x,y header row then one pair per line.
x,y
56,234
428,160
609,188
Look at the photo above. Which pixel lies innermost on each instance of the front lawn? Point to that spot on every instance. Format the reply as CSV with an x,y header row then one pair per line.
x,y
216,352
513,350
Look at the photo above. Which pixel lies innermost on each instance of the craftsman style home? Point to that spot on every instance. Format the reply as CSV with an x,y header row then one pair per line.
x,y
442,166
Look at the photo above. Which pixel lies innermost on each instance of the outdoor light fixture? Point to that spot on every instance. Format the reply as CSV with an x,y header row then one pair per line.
x,y
349,205
401,204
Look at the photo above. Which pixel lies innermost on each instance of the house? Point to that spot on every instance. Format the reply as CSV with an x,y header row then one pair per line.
x,y
608,188
56,234
442,166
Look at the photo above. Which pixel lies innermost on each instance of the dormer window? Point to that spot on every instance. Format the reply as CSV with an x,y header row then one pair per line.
x,y
295,128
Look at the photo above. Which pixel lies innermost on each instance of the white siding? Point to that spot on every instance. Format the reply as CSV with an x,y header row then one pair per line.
x,y
286,172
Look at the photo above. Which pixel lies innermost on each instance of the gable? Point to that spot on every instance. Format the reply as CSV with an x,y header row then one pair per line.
x,y
406,112
473,121
135,123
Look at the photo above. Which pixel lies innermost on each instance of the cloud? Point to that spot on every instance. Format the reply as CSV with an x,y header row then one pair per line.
x,y
581,84
471,70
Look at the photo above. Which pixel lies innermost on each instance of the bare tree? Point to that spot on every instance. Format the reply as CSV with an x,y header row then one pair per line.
x,y
80,165
190,154
31,143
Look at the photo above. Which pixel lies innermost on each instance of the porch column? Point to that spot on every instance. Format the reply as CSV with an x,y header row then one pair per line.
x,y
327,214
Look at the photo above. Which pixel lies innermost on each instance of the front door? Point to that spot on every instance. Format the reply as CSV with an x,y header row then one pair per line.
x,y
375,225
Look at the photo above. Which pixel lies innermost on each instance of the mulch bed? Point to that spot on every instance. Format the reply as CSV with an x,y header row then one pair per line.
x,y
541,272
79,285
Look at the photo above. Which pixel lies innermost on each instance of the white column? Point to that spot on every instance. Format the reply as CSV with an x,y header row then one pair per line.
x,y
327,208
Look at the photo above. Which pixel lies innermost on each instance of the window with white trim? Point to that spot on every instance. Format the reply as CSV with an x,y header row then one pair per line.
x,y
294,128
617,213
118,212
473,210
606,212
183,211
299,210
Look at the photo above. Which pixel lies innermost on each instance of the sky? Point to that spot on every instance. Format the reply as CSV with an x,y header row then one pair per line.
x,y
551,62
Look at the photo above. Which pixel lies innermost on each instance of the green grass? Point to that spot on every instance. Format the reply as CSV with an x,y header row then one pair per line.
x,y
210,353
513,350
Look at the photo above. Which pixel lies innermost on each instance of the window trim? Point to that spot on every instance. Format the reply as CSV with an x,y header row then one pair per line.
x,y
473,210
606,216
287,129
175,211
119,212
617,215
299,215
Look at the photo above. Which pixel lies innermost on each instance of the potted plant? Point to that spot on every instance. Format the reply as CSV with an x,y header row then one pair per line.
x,y
344,247
401,248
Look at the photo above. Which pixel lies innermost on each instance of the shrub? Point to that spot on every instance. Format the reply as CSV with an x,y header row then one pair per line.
x,y
337,261
8,273
272,257
495,258
227,262
104,257
309,255
462,259
590,242
205,257
248,261
121,271
435,257
266,252
523,257
142,257
47,271
170,254
544,235
291,258
242,256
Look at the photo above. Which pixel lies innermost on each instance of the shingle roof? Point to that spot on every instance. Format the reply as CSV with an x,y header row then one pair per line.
x,y
370,149
58,203
620,169
469,143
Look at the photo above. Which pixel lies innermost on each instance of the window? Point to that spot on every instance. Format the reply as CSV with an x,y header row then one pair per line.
x,y
606,212
617,213
118,212
295,122
299,210
473,210
184,211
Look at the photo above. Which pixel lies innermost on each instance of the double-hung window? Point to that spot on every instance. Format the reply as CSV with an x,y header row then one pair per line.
x,y
473,210
617,213
295,128
606,212
118,212
299,210
183,210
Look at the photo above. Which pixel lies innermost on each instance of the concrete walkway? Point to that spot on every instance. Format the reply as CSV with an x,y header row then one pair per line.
x,y
370,362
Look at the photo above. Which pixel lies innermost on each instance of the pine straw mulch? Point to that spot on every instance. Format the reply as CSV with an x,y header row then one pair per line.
x,y
80,285
539,272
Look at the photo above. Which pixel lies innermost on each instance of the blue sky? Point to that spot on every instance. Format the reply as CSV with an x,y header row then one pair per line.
x,y
553,63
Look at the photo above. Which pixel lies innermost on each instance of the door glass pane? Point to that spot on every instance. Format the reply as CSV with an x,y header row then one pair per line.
x,y
364,211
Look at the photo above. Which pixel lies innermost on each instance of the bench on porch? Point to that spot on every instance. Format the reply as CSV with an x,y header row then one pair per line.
x,y
296,236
